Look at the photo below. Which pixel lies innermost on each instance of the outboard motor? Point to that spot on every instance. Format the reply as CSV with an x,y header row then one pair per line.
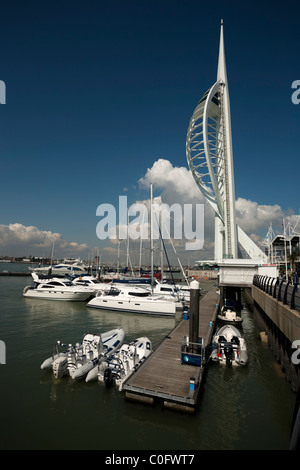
x,y
108,377
228,351
60,367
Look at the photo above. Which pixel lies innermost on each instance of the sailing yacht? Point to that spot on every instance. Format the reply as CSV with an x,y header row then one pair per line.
x,y
136,299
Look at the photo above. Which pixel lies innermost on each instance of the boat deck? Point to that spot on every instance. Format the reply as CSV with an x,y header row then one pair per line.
x,y
163,375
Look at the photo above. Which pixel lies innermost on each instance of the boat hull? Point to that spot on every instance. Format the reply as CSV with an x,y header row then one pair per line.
x,y
155,307
70,296
47,364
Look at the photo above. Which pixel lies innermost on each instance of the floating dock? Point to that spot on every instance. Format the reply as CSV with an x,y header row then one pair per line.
x,y
164,375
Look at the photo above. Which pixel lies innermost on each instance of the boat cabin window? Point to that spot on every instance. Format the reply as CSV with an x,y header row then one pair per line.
x,y
60,284
139,294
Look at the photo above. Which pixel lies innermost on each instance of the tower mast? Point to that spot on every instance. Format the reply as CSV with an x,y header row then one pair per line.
x,y
210,159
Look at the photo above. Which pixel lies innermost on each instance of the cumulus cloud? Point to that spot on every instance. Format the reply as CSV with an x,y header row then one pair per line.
x,y
253,217
18,239
177,183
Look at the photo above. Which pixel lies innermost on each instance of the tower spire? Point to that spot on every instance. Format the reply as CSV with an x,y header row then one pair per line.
x,y
222,74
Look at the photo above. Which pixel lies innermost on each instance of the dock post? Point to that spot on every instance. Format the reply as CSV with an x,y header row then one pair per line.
x,y
194,312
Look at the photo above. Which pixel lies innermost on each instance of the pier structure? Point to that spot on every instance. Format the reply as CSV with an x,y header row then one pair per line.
x,y
173,373
277,310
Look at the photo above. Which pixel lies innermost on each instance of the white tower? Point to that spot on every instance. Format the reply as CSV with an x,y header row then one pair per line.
x,y
210,158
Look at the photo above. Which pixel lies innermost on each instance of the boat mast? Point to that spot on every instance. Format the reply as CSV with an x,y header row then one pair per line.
x,y
52,254
151,235
118,266
141,241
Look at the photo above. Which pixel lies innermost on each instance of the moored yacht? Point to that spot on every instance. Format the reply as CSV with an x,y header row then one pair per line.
x,y
136,299
68,267
56,289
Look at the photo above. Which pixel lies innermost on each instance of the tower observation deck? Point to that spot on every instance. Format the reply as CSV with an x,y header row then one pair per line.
x,y
210,159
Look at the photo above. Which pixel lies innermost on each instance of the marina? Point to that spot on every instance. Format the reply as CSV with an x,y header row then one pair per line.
x,y
36,403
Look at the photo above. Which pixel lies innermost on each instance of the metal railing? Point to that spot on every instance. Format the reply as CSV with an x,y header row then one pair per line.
x,y
279,289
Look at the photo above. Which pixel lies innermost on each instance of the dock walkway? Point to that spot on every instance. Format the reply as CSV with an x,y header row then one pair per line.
x,y
163,375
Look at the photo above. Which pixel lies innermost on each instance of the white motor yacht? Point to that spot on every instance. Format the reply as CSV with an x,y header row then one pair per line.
x,y
56,289
68,267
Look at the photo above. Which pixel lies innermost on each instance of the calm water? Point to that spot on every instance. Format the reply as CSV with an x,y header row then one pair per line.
x,y
244,408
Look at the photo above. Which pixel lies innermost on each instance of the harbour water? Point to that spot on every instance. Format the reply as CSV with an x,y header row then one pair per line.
x,y
248,408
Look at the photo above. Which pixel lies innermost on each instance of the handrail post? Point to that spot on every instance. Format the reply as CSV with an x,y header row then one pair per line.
x,y
285,294
293,297
276,284
279,290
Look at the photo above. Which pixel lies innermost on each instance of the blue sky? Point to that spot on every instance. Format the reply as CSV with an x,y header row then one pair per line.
x,y
97,92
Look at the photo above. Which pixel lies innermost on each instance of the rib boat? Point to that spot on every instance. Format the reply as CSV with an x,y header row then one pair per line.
x,y
77,360
124,362
229,347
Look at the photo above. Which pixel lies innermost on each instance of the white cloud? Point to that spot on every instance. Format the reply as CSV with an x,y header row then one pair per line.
x,y
253,217
17,239
177,183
